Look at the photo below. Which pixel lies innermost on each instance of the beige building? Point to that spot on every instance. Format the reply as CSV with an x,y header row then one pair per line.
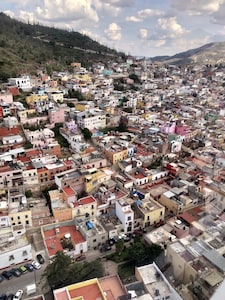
x,y
19,217
86,206
151,211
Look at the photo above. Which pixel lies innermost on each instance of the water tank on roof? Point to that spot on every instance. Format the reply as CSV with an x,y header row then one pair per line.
x,y
67,236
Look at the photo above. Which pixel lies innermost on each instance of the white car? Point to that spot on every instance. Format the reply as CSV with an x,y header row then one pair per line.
x,y
18,295
36,265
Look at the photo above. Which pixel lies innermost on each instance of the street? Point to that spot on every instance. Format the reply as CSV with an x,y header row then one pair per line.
x,y
16,283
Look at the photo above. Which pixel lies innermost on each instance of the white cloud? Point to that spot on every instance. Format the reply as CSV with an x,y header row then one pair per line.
x,y
113,32
148,13
145,14
119,3
133,19
169,28
66,10
197,7
143,33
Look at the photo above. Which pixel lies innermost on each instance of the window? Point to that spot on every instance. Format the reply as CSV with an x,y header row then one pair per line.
x,y
18,217
92,207
160,213
24,253
129,218
94,240
11,218
26,216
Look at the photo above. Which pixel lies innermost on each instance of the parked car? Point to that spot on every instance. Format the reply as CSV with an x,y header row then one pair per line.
x,y
18,295
137,232
1,278
80,257
40,259
29,267
22,269
36,265
16,272
7,274
105,247
161,223
10,297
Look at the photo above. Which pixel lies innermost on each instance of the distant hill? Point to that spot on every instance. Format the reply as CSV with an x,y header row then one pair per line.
x,y
212,53
23,47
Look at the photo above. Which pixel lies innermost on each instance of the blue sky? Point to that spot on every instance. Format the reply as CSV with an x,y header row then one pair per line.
x,y
137,27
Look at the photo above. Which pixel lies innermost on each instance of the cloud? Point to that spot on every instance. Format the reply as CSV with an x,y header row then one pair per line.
x,y
120,3
148,13
113,32
143,33
66,10
219,16
133,19
145,14
169,28
197,7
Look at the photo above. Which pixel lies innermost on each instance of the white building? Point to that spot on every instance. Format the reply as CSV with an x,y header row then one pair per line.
x,y
21,82
13,139
155,283
126,215
91,120
30,176
13,249
10,122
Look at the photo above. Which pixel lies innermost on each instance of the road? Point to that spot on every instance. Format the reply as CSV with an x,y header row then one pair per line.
x,y
16,283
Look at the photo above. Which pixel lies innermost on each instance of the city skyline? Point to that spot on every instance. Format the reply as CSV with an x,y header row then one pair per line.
x,y
142,28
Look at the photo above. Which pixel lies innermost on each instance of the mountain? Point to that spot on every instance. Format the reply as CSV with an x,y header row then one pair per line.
x,y
24,47
212,53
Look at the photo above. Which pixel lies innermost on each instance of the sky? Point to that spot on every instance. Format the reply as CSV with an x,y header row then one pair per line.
x,y
137,27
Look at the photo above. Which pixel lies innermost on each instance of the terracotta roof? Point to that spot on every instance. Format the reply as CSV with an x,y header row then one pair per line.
x,y
86,200
69,191
187,217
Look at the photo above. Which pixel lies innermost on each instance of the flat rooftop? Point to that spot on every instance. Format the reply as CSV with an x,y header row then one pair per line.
x,y
52,238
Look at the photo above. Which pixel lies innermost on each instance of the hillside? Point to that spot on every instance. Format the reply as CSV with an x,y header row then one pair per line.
x,y
23,47
212,53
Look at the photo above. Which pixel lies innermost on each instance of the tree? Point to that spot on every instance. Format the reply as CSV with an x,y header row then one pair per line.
x,y
63,271
57,271
119,246
28,193
86,133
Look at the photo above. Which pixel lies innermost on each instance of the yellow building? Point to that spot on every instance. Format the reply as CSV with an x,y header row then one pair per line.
x,y
82,106
21,218
24,114
176,204
151,211
115,155
83,78
92,179
85,206
35,98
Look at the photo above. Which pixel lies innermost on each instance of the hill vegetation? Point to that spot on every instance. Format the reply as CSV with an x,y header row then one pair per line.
x,y
24,47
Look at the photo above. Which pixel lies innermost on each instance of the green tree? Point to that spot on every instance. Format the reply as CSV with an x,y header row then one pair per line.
x,y
119,246
57,272
28,193
86,133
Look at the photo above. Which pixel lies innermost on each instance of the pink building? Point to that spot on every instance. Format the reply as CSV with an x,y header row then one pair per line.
x,y
168,128
6,98
56,115
182,129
